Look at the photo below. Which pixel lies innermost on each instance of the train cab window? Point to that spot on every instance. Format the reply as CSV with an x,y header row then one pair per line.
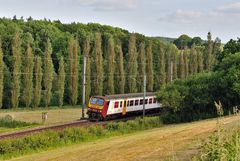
x,y
100,102
127,103
154,100
150,101
136,102
121,104
141,101
93,101
108,102
146,101
131,103
116,104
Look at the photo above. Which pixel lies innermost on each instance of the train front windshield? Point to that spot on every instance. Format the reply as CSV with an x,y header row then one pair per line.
x,y
97,101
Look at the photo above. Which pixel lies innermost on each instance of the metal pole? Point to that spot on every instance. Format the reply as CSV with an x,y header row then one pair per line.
x,y
144,95
84,86
171,71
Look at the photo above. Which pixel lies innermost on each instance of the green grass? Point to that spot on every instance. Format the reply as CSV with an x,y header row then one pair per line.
x,y
50,139
55,115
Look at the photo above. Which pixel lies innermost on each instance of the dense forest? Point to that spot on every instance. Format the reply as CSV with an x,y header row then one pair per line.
x,y
41,61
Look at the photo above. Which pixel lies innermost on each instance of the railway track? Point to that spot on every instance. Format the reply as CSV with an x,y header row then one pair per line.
x,y
81,123
54,127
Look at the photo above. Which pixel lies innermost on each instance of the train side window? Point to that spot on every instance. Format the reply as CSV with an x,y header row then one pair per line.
x,y
150,101
131,103
141,101
121,104
136,102
154,100
116,104
108,102
146,101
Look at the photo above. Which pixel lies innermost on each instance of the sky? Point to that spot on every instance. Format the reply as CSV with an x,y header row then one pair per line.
x,y
168,18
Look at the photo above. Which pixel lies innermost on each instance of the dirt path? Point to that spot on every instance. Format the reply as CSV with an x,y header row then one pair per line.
x,y
177,142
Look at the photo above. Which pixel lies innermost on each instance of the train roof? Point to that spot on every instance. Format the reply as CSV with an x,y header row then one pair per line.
x,y
130,95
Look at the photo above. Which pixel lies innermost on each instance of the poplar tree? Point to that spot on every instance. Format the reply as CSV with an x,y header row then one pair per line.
x,y
181,66
37,81
16,49
120,73
149,67
1,75
162,68
200,61
86,50
48,74
193,64
110,66
209,53
174,64
73,70
168,66
97,66
131,67
61,82
185,56
160,76
28,77
141,67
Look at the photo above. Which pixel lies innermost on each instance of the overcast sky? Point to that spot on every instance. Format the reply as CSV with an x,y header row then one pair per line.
x,y
169,18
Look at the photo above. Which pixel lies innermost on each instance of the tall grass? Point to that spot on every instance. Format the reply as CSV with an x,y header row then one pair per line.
x,y
14,124
50,139
223,145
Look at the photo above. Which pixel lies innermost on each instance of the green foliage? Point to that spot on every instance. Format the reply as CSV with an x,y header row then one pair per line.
x,y
97,66
61,82
37,33
183,42
120,73
16,48
149,67
37,81
131,67
49,139
1,74
231,47
73,70
160,76
28,77
86,53
110,67
141,66
195,96
48,74
181,71
209,57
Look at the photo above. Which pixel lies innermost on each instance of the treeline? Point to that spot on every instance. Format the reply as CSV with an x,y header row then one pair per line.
x,y
41,62
193,98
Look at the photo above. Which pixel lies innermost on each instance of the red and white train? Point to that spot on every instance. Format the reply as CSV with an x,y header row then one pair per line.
x,y
114,106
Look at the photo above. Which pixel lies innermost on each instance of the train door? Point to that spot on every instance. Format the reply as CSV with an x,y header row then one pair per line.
x,y
124,109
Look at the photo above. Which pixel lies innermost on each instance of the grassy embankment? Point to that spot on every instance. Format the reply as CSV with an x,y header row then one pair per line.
x,y
55,116
53,139
172,142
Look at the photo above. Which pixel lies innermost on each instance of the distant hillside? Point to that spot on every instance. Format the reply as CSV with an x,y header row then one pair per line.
x,y
165,39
